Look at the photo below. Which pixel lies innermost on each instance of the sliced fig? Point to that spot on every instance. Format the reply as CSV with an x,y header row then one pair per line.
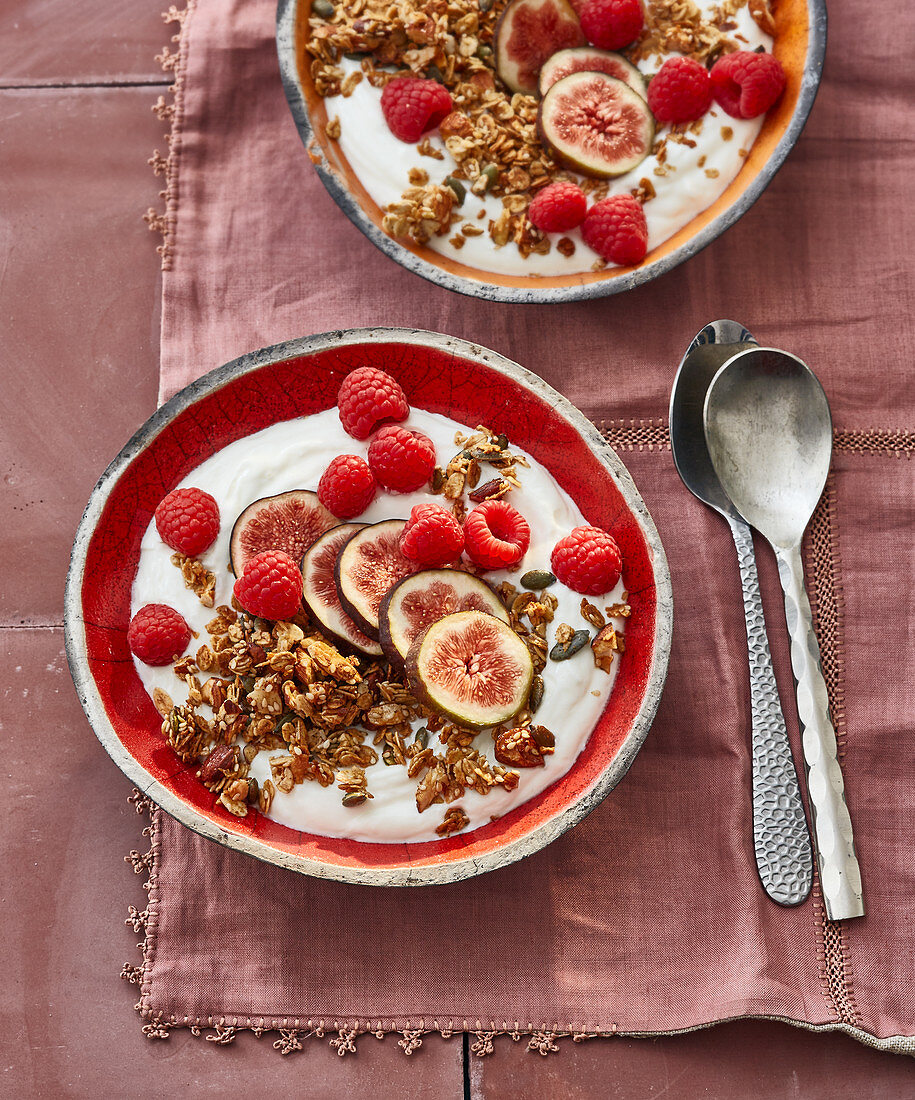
x,y
416,602
288,521
369,563
529,32
596,124
320,595
471,667
589,59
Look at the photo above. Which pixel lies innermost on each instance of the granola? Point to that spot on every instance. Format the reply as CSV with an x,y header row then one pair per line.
x,y
299,694
200,580
491,136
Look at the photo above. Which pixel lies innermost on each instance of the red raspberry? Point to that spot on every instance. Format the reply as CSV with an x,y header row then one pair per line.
x,y
347,486
747,84
401,460
680,91
271,586
616,229
432,536
411,107
558,207
367,396
611,24
157,634
587,561
496,535
188,521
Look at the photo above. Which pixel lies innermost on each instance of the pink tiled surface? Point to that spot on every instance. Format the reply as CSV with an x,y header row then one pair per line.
x,y
78,328
58,42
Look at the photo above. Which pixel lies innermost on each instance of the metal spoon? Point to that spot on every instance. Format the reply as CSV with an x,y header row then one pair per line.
x,y
769,435
784,857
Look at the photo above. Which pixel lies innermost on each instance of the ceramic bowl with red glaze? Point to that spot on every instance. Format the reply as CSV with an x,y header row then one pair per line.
x,y
442,375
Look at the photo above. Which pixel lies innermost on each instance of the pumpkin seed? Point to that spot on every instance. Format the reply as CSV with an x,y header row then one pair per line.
x,y
253,791
353,56
422,738
433,72
486,5
476,453
323,8
535,698
483,52
460,193
491,172
537,579
387,755
438,474
561,652
353,799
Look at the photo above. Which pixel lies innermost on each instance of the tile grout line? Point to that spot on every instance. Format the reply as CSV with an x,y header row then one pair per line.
x,y
106,84
32,626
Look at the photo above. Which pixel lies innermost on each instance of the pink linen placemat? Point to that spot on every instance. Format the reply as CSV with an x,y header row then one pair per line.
x,y
647,917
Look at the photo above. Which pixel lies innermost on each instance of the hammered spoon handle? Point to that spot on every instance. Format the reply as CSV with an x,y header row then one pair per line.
x,y
784,855
840,875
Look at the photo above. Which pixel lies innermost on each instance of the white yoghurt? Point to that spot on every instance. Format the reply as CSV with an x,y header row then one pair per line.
x,y
293,455
694,179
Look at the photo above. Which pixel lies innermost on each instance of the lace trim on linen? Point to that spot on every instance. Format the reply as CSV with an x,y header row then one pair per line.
x,y
289,1034
650,435
170,110
823,570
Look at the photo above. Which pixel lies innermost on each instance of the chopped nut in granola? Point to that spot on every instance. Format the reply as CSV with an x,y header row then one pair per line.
x,y
197,578
455,820
607,642
518,748
592,614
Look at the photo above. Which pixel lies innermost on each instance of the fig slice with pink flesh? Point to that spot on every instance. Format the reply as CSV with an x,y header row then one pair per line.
x,y
417,601
319,593
589,59
289,522
528,32
370,562
471,667
596,124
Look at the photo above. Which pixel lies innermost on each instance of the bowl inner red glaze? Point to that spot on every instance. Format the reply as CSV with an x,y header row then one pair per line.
x,y
434,379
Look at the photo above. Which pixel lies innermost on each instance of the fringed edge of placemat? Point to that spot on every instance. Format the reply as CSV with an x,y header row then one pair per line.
x,y
170,110
343,1036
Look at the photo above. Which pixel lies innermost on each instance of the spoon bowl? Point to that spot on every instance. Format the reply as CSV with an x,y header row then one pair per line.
x,y
769,434
706,354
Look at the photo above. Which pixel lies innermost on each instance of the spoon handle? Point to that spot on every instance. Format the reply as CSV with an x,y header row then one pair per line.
x,y
840,876
784,857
